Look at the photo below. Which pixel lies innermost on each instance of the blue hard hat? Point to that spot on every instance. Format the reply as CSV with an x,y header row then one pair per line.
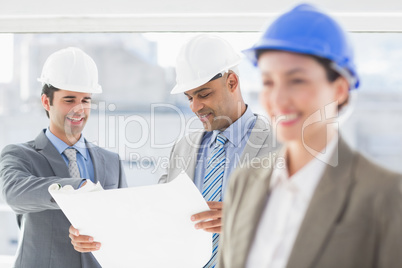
x,y
307,30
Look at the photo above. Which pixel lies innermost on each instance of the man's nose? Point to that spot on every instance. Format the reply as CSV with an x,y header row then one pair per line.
x,y
196,105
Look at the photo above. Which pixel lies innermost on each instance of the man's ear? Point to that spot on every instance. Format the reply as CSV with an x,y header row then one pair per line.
x,y
232,82
45,102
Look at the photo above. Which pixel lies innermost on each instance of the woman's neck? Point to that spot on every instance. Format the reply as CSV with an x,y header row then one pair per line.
x,y
300,153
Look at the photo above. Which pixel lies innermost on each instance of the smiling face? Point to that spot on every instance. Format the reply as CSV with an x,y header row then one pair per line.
x,y
68,114
217,103
295,91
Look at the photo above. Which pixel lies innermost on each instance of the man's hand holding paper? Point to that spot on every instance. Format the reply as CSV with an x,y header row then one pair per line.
x,y
83,243
211,220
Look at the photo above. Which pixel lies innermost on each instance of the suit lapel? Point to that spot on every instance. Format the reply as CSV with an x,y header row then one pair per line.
x,y
98,162
257,138
326,206
46,148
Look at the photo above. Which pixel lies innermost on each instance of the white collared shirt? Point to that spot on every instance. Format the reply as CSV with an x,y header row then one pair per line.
x,y
285,210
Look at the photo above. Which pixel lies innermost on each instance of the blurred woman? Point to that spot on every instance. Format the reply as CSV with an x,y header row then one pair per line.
x,y
319,203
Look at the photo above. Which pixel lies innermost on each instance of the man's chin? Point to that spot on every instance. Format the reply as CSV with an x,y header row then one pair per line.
x,y
74,132
207,126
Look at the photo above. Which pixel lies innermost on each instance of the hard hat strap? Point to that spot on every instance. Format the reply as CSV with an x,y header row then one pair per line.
x,y
219,75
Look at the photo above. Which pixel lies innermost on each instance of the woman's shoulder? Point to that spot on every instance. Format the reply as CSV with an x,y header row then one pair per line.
x,y
375,176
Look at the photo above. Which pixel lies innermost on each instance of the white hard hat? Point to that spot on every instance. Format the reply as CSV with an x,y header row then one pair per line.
x,y
71,69
202,58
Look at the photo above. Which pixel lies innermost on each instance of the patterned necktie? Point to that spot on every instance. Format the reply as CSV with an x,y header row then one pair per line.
x,y
212,187
71,155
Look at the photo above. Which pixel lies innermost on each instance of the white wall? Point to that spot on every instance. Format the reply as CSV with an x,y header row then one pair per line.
x,y
183,15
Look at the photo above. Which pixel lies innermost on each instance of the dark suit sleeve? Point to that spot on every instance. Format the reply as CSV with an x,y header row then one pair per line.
x,y
389,216
22,190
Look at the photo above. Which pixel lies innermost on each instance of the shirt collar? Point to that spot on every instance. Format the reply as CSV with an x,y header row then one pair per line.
x,y
60,145
236,131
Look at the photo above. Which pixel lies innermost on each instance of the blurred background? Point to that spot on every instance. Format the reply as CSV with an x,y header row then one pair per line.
x,y
135,50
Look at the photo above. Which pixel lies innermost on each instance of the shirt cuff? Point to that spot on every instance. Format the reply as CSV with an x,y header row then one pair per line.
x,y
82,182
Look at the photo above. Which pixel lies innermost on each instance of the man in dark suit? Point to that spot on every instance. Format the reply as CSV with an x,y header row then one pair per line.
x,y
59,154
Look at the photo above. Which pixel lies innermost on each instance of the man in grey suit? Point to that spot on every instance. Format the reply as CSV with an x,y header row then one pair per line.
x,y
59,154
207,74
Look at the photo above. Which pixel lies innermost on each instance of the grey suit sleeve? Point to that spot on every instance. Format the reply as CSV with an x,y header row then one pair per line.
x,y
23,191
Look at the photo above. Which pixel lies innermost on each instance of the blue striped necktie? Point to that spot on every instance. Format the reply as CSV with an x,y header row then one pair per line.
x,y
212,187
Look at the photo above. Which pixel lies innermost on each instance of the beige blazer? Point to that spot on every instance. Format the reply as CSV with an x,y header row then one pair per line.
x,y
354,219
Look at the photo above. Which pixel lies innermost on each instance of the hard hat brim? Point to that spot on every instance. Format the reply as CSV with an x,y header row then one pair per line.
x,y
96,90
181,88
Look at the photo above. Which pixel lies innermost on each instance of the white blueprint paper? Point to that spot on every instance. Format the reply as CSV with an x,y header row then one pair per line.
x,y
143,227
